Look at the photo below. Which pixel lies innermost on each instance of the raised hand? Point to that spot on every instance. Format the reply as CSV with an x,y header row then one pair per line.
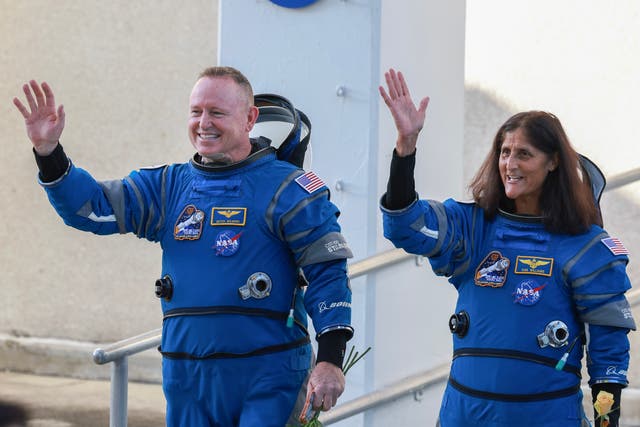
x,y
408,119
44,122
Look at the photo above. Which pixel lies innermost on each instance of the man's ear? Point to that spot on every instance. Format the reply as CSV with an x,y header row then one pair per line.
x,y
252,116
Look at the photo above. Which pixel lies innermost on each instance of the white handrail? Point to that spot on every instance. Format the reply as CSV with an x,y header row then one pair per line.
x,y
621,179
119,353
410,385
127,347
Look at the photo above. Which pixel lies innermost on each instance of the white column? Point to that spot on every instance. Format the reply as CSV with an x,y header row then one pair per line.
x,y
328,58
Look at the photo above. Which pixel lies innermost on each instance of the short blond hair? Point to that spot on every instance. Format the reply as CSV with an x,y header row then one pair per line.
x,y
232,73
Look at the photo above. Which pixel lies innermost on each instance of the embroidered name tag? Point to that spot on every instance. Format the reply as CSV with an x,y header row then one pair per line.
x,y
228,216
534,265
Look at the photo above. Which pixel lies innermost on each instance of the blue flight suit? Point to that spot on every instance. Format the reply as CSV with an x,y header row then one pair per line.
x,y
236,239
514,280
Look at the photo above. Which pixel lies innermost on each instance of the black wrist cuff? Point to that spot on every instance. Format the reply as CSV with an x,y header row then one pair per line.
x,y
401,188
616,390
331,347
53,166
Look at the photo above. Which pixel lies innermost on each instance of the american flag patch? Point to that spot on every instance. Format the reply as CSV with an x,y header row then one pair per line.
x,y
310,182
615,246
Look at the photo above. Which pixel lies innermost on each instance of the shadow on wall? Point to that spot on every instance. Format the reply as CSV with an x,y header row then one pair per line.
x,y
13,415
484,113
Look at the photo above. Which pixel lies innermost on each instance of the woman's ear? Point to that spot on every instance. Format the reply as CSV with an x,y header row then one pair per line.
x,y
553,164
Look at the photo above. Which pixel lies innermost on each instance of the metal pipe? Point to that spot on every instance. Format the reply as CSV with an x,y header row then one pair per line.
x,y
633,297
377,262
622,179
119,392
412,384
127,347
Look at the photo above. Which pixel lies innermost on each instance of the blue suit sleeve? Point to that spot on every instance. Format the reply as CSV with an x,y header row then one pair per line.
x,y
129,205
308,223
608,355
598,282
79,200
438,231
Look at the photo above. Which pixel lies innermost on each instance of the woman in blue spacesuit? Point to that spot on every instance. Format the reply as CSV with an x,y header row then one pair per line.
x,y
537,277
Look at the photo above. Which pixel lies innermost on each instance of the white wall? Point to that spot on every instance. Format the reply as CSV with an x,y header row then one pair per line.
x,y
402,313
426,41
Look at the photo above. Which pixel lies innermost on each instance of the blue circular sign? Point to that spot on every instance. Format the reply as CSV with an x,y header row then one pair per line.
x,y
293,4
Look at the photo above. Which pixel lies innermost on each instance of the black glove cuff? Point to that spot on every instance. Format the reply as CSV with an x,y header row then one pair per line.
x,y
616,390
401,187
331,347
53,166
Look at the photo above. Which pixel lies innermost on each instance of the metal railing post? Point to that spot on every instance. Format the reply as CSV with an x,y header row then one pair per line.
x,y
118,353
119,392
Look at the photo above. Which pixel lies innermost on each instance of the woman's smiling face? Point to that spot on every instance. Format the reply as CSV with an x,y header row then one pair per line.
x,y
523,169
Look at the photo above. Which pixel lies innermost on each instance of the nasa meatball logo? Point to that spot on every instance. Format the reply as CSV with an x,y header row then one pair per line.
x,y
492,271
227,243
528,293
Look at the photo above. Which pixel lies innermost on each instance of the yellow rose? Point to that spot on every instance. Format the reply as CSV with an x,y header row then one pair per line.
x,y
604,402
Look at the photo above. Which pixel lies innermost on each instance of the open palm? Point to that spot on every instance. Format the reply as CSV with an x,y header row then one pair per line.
x,y
408,119
44,122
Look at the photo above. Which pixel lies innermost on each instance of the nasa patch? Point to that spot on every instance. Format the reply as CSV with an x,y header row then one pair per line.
x,y
492,271
189,224
227,243
528,293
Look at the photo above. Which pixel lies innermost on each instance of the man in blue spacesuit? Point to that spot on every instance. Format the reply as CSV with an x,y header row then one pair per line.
x,y
251,245
537,277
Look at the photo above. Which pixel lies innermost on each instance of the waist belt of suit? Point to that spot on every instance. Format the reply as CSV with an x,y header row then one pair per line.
x,y
271,314
520,355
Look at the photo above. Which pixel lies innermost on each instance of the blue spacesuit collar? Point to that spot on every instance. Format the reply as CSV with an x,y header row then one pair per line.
x,y
523,218
257,152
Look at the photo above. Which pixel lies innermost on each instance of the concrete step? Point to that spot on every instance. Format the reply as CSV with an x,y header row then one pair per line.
x,y
50,401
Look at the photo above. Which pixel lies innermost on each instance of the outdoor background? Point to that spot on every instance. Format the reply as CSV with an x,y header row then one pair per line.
x,y
124,71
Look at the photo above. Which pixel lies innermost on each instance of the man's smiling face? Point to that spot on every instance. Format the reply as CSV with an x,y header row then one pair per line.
x,y
220,118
